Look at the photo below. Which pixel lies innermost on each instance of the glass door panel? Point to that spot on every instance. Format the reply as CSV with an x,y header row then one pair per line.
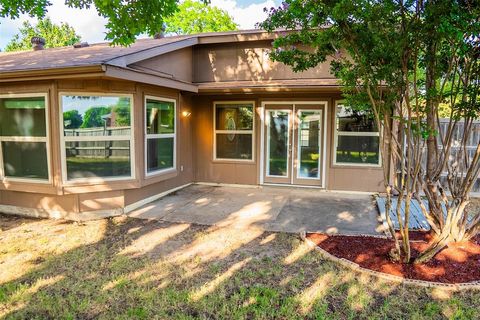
x,y
278,146
308,159
309,144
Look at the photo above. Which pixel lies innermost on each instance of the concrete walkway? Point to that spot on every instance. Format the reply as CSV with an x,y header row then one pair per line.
x,y
268,208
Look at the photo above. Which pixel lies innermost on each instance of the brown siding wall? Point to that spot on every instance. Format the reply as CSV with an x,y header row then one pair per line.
x,y
177,64
348,178
218,171
194,149
62,203
184,174
86,197
208,170
247,61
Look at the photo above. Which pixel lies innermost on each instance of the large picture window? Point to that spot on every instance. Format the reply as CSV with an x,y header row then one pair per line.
x,y
160,118
356,138
234,127
24,137
97,137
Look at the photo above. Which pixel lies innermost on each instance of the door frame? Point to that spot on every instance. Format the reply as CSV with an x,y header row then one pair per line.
x,y
294,113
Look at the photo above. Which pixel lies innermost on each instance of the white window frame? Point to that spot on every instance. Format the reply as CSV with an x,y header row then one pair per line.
x,y
64,139
45,139
215,131
160,136
337,133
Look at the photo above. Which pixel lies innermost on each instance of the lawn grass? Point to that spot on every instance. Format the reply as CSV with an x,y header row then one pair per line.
x,y
79,167
125,268
356,157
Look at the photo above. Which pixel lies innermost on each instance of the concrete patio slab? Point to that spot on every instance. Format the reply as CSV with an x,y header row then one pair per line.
x,y
330,214
223,206
268,208
172,202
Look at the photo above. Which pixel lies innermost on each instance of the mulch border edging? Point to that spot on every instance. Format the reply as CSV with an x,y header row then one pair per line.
x,y
475,285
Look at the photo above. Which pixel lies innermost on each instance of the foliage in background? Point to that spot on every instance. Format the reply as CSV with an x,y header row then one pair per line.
x,y
72,119
126,19
55,35
122,112
410,63
197,17
93,117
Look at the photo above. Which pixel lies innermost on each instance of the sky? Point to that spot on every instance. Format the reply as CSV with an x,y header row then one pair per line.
x,y
90,26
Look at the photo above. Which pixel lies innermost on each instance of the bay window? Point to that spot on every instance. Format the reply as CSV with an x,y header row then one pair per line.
x,y
356,138
24,147
160,135
97,139
234,127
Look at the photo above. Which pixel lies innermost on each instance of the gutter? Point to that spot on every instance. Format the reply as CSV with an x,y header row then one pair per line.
x,y
98,71
89,71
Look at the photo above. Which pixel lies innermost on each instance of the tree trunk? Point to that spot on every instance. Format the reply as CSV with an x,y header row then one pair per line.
x,y
432,191
452,231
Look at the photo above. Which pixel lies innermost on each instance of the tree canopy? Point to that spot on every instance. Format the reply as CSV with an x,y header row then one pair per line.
x,y
93,116
126,19
54,35
196,17
407,62
72,119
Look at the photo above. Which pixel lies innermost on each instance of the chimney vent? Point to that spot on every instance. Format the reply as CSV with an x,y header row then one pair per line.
x,y
81,45
38,43
161,34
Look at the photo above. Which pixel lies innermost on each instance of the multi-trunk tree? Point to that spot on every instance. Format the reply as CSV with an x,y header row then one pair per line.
x,y
408,63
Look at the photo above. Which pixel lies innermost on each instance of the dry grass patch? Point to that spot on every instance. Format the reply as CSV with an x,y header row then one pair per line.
x,y
127,268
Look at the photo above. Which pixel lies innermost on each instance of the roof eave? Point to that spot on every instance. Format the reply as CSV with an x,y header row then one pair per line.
x,y
148,78
257,36
97,71
128,59
53,73
270,86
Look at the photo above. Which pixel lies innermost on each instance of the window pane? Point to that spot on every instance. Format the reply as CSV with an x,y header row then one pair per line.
x,y
234,146
234,117
96,115
355,121
25,159
160,154
24,117
160,117
278,143
309,146
90,159
363,150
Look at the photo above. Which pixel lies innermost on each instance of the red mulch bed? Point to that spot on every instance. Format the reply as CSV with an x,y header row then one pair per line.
x,y
459,263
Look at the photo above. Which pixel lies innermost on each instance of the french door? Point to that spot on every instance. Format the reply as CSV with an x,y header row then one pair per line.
x,y
293,145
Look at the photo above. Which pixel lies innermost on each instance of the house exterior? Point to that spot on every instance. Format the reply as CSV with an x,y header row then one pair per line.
x,y
97,130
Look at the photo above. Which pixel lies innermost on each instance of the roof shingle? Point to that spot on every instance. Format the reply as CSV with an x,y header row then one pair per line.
x,y
64,57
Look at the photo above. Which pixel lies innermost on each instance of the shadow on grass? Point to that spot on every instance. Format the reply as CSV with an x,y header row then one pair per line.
x,y
11,221
145,269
